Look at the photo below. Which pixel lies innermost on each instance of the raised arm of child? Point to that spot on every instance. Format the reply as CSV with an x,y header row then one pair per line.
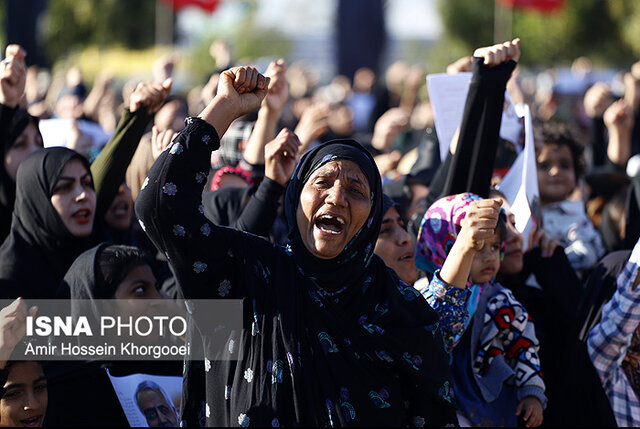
x,y
447,292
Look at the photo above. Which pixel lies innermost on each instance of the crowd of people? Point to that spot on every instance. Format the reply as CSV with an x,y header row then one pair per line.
x,y
382,282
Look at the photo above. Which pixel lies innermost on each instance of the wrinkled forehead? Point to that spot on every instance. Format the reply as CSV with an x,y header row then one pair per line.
x,y
343,168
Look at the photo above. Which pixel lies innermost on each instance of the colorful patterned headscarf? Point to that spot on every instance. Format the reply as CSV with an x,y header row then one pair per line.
x,y
439,230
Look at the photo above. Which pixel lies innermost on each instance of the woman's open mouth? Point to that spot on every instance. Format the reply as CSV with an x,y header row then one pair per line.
x,y
82,216
330,224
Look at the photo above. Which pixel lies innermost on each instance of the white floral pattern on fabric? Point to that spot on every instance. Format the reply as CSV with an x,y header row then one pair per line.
x,y
176,149
201,209
243,420
207,410
205,229
248,375
223,290
206,139
275,423
145,183
170,189
199,267
418,422
179,230
207,364
227,392
201,177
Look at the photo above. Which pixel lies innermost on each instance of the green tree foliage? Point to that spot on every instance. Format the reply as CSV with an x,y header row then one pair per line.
x,y
71,24
607,31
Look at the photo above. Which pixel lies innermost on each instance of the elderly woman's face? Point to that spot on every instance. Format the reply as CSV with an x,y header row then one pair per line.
x,y
334,204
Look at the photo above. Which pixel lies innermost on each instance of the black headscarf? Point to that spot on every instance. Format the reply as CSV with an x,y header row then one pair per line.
x,y
21,118
39,249
351,266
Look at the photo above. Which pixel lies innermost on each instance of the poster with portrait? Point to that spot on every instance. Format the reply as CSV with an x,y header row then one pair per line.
x,y
149,400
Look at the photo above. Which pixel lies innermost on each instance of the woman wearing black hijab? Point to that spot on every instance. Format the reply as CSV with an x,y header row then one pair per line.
x,y
331,336
44,239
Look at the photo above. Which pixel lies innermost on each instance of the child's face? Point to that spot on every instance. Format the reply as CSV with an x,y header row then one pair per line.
x,y
556,175
25,400
486,261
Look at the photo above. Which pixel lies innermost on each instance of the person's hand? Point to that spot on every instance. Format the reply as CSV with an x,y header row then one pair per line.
x,y
387,162
243,89
540,239
280,156
461,65
532,409
500,53
618,118
278,94
13,326
415,77
240,91
632,86
150,95
597,99
387,128
313,122
160,140
163,67
480,223
13,75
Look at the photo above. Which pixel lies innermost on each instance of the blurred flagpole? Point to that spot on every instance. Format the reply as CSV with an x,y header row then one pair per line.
x,y
502,22
164,23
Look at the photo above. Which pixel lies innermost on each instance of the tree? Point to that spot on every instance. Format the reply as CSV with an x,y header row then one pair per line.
x,y
70,24
605,31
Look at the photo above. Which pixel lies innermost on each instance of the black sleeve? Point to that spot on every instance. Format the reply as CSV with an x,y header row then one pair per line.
x,y
110,167
261,211
472,164
597,142
207,259
561,287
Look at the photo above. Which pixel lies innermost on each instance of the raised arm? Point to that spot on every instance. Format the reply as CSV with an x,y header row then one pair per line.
x,y
269,114
447,292
280,161
169,205
472,163
110,167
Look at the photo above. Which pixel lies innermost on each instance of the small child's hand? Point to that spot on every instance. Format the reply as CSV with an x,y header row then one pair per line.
x,y
532,409
480,222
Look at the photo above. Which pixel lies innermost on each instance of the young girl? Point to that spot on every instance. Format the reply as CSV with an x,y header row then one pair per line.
x,y
495,365
23,386
560,167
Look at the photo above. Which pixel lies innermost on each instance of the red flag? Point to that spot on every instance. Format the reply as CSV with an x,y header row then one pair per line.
x,y
207,5
545,6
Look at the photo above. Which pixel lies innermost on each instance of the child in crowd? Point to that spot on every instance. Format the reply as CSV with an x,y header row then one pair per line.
x,y
495,365
23,386
560,166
